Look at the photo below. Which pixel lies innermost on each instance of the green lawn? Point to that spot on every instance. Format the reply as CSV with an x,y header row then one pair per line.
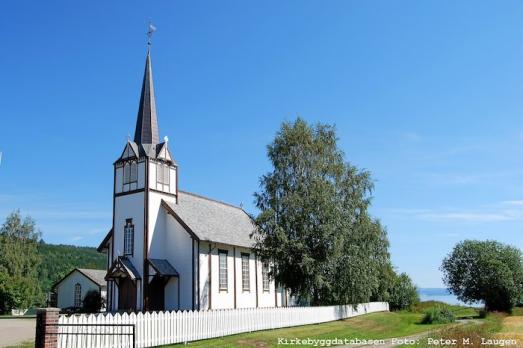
x,y
370,326
28,344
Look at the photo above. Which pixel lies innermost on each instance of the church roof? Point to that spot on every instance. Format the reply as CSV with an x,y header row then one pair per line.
x,y
146,131
211,220
96,275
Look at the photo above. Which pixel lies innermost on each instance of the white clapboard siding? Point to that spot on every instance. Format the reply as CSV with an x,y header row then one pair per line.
x,y
160,328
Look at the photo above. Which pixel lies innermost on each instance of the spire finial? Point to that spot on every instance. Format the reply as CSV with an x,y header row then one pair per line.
x,y
150,30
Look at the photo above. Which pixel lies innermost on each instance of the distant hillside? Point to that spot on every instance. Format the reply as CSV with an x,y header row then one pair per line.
x,y
58,260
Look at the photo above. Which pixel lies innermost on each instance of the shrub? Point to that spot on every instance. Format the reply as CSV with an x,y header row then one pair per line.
x,y
482,314
93,302
403,293
438,315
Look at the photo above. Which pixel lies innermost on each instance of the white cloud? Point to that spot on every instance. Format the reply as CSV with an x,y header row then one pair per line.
x,y
411,137
499,212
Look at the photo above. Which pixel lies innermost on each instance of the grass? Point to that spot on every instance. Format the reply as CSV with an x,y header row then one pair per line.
x,y
371,326
460,312
27,344
456,335
8,316
496,326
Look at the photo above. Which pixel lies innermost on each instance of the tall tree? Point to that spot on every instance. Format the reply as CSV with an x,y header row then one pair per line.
x,y
19,260
314,222
486,271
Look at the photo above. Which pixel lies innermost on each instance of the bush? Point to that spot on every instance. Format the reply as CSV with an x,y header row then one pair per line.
x,y
482,314
403,293
93,302
438,315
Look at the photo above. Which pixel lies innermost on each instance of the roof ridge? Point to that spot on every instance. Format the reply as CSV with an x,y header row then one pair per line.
x,y
211,199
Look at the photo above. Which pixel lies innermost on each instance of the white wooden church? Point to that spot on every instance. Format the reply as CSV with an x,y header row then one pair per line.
x,y
169,249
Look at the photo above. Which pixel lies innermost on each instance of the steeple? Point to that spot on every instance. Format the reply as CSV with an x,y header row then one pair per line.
x,y
147,123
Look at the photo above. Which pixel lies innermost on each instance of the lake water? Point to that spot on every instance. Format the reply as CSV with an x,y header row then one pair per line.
x,y
441,295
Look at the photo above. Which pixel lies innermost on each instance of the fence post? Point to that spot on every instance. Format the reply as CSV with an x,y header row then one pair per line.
x,y
47,328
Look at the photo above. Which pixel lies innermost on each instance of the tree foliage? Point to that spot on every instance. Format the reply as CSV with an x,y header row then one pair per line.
x,y
485,271
19,260
59,260
92,302
402,293
314,221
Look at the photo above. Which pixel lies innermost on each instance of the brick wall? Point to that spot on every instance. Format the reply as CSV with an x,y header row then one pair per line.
x,y
47,328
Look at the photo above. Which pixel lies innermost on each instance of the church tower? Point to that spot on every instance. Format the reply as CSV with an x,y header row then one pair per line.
x,y
144,175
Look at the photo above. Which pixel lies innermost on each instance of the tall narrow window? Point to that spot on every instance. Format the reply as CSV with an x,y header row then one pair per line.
x,y
246,286
126,173
134,172
130,173
265,276
222,256
162,173
128,237
77,295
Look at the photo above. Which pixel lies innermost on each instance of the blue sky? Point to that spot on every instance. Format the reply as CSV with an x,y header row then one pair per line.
x,y
428,96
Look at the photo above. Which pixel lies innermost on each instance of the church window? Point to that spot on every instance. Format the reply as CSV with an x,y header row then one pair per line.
x,y
130,173
162,174
77,295
222,257
246,286
265,276
128,237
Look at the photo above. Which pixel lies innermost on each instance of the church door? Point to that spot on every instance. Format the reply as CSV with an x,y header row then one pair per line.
x,y
126,295
157,294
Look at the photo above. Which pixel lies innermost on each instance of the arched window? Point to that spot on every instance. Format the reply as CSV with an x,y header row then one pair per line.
x,y
77,295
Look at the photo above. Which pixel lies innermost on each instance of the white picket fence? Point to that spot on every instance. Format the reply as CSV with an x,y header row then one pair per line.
x,y
159,328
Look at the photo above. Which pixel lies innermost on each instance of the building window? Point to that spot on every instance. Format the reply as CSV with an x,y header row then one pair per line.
x,y
162,173
128,237
222,256
130,173
246,282
265,276
77,295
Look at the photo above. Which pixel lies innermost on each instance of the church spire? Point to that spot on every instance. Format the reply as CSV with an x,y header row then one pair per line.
x,y
147,123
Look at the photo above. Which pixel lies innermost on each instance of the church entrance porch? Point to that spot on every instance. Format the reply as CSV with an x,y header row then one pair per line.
x,y
125,275
160,272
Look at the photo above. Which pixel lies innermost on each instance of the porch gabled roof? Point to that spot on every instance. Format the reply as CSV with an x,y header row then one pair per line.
x,y
122,268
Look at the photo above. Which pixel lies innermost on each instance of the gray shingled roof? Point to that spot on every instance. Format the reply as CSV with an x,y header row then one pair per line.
x,y
96,275
163,267
214,221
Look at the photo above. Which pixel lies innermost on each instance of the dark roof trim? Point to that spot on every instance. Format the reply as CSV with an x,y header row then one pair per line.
x,y
103,244
82,273
171,212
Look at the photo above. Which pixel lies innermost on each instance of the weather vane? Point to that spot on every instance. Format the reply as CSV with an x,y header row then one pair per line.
x,y
151,29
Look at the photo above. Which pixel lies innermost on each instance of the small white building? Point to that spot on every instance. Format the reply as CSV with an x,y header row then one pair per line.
x,y
169,249
71,290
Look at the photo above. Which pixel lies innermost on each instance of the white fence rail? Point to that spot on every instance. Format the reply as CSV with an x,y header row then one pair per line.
x,y
159,328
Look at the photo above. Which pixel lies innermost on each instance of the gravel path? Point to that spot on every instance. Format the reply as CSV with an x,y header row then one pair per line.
x,y
15,331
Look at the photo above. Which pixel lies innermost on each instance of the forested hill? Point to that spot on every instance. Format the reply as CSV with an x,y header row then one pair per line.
x,y
58,260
